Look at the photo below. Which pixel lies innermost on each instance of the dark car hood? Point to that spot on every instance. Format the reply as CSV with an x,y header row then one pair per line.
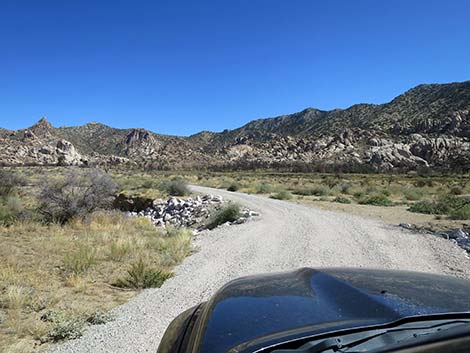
x,y
250,311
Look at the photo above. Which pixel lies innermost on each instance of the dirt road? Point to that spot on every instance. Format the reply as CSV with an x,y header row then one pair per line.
x,y
285,236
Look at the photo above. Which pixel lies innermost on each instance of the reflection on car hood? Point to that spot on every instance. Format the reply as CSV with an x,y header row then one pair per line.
x,y
317,301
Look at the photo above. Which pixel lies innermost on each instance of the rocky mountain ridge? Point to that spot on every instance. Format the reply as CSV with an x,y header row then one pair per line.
x,y
426,127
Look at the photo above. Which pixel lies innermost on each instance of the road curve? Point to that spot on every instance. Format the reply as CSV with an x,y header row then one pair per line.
x,y
285,236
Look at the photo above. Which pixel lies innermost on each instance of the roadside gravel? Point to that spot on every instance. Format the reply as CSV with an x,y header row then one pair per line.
x,y
285,236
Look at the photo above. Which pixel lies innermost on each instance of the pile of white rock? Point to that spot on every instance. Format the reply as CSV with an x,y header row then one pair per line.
x,y
187,212
460,236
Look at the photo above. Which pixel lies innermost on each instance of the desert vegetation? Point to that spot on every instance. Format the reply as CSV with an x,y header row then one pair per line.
x,y
444,196
67,258
228,213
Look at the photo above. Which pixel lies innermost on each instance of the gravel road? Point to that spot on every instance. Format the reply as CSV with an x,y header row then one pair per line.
x,y
285,236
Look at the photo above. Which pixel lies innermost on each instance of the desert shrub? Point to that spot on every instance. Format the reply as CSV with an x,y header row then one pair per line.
x,y
233,187
376,200
456,190
65,329
455,202
6,217
142,275
359,194
62,199
345,188
79,261
445,205
426,207
98,317
412,194
302,192
320,190
10,209
373,190
462,213
9,181
149,184
282,195
176,187
365,181
420,183
331,182
264,188
340,199
228,213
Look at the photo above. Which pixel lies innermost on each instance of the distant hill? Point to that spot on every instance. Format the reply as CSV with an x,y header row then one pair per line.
x,y
425,127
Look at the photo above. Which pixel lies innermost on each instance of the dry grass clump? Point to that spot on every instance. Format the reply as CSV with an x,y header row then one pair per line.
x,y
143,275
71,270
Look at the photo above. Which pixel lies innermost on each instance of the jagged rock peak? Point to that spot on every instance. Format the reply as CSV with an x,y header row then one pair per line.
x,y
43,122
42,128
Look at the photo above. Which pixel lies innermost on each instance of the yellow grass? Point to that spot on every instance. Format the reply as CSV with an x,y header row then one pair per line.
x,y
70,269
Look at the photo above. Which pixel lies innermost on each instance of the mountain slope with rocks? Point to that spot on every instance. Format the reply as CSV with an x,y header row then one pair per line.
x,y
425,127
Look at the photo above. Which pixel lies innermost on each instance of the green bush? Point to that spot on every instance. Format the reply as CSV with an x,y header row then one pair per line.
x,y
282,195
340,199
98,317
376,200
142,275
228,213
177,187
359,194
64,326
320,190
413,194
426,207
461,213
372,190
233,187
68,329
264,188
446,205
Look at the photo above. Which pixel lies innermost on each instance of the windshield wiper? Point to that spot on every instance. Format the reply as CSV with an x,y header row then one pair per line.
x,y
380,339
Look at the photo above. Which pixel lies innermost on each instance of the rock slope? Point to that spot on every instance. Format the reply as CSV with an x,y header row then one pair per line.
x,y
426,127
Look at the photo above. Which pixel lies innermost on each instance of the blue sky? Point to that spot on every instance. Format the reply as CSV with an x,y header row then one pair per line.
x,y
179,67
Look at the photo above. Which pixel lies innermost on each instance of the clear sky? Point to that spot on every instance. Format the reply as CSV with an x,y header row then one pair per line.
x,y
179,67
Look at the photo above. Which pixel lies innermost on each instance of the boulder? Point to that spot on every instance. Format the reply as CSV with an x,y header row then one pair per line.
x,y
457,233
